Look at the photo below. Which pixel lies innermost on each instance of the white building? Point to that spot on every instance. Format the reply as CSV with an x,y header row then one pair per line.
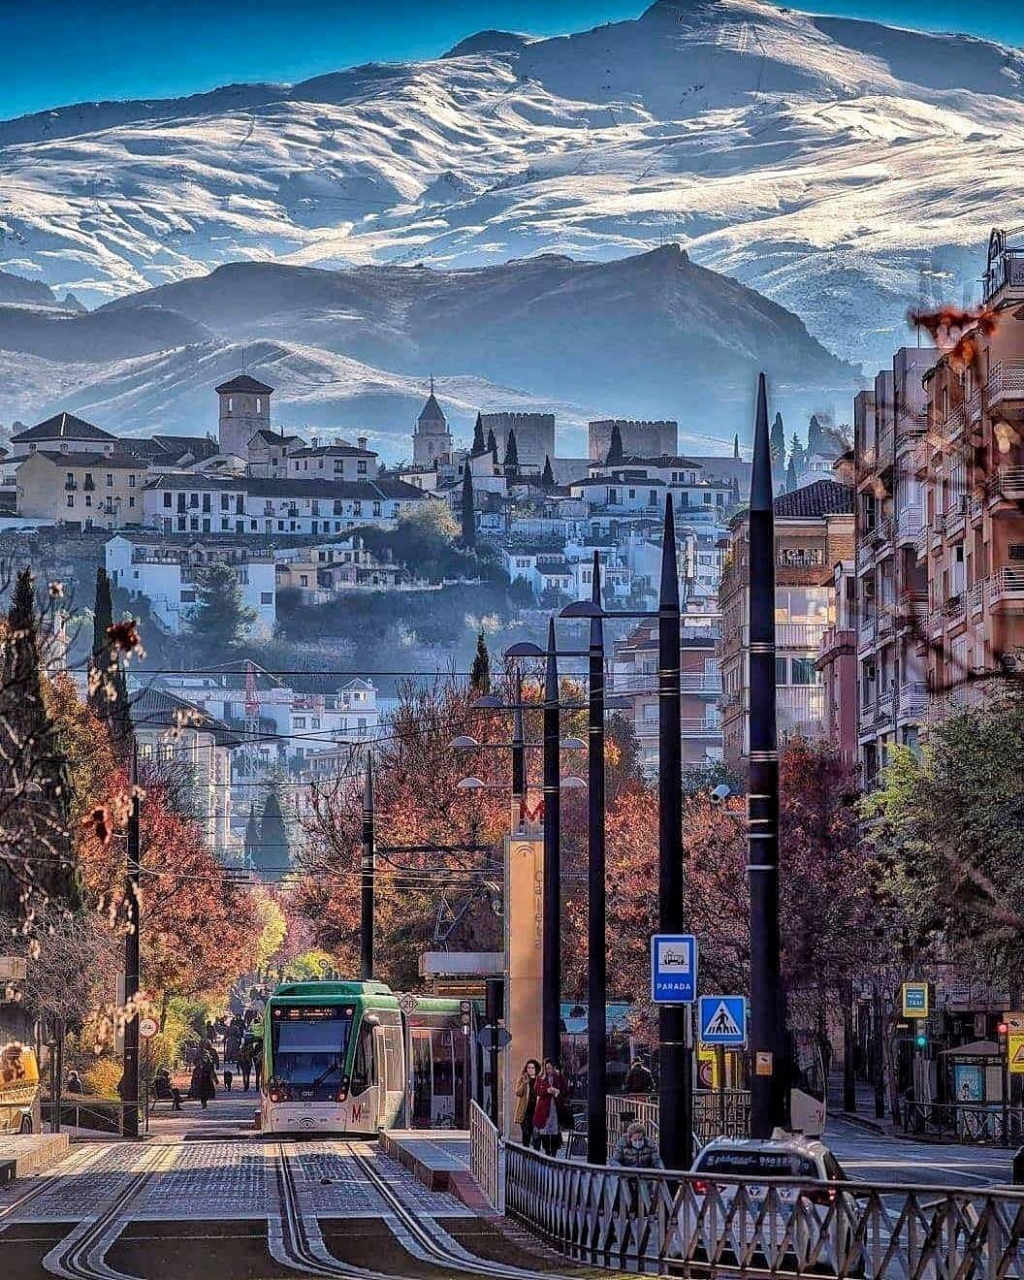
x,y
186,503
165,571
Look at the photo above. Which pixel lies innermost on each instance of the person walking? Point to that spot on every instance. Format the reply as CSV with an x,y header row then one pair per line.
x,y
638,1078
74,1084
227,1075
552,1108
244,1064
526,1099
207,1083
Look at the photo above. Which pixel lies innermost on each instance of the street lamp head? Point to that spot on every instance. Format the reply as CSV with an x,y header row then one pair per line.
x,y
488,702
471,784
524,649
572,744
572,783
464,742
582,609
721,793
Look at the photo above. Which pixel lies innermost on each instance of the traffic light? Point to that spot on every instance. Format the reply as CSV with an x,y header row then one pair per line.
x,y
921,1041
466,1013
495,1001
1003,1029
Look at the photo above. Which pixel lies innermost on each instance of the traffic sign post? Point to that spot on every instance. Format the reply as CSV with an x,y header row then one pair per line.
x,y
673,968
723,1020
915,999
148,1027
493,1039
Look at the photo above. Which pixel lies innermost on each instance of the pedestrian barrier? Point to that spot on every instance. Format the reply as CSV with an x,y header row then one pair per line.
x,y
716,1113
650,1221
982,1123
487,1157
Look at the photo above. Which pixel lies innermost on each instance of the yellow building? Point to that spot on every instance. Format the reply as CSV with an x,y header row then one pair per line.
x,y
93,490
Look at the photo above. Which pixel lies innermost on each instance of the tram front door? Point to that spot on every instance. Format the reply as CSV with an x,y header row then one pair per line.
x,y
440,1077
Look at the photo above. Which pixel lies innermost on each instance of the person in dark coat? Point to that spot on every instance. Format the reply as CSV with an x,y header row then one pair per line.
x,y
635,1150
206,1089
638,1078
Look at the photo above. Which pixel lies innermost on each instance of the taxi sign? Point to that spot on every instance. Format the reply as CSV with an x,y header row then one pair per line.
x,y
915,999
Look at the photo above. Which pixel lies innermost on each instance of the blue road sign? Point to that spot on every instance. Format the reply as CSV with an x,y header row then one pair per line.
x,y
723,1020
673,968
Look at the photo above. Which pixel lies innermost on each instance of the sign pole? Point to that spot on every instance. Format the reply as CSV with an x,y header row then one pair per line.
x,y
720,1074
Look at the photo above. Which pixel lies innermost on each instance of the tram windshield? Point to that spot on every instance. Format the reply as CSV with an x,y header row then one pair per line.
x,y
310,1043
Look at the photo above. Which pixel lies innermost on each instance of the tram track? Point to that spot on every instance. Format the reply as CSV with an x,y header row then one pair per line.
x,y
80,1255
76,1163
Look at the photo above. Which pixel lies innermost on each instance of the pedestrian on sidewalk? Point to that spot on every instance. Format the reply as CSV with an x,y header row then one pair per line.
x,y
638,1078
526,1099
552,1110
207,1083
227,1075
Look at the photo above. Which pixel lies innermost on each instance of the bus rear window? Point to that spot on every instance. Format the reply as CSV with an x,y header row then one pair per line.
x,y
753,1164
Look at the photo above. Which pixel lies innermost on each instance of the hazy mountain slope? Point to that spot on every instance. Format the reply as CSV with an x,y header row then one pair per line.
x,y
651,335
821,160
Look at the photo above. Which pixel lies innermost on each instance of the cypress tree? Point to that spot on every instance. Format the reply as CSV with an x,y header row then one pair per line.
x,y
480,672
468,514
479,445
108,686
814,435
492,446
511,455
736,445
616,454
791,475
272,857
778,445
36,863
797,456
547,479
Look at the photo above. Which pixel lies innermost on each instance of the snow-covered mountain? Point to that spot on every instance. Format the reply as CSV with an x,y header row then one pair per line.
x,y
649,335
823,161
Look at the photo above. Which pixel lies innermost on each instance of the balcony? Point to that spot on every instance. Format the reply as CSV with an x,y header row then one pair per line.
x,y
912,608
866,630
909,424
913,699
954,518
955,609
973,407
1006,381
953,427
886,620
835,642
1006,588
701,727
923,540
800,709
866,549
908,526
1007,483
884,708
70,485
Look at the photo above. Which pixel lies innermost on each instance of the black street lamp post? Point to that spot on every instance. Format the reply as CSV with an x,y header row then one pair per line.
x,y
551,963
597,1030
675,1076
769,1081
367,872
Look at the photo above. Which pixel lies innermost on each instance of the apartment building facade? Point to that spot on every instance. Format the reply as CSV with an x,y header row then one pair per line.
x,y
90,489
814,529
634,682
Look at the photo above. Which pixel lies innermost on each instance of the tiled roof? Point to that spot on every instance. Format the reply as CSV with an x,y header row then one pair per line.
x,y
275,437
244,383
431,411
62,426
822,498
113,461
333,451
291,487
158,708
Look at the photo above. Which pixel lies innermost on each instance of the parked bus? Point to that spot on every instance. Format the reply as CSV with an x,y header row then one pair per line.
x,y
19,1085
354,1058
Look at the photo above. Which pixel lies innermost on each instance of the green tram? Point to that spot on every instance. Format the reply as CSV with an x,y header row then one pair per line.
x,y
354,1058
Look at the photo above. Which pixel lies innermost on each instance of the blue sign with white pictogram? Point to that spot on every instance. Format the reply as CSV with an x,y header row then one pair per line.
x,y
723,1020
673,968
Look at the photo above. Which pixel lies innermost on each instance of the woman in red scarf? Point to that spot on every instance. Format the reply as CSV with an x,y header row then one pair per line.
x,y
552,1090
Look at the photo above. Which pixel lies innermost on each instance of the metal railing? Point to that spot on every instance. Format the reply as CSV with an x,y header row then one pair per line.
x,y
716,1113
622,1111
102,1115
487,1157
1008,482
1006,381
651,1221
1006,582
964,1122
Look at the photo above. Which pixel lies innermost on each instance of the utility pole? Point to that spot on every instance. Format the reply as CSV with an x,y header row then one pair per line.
x,y
130,1081
675,1086
597,1032
367,870
518,751
769,1081
551,973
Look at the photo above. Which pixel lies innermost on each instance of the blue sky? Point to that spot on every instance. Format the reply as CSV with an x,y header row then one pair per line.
x,y
58,51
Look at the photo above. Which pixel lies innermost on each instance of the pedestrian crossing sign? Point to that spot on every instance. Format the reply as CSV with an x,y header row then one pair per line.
x,y
723,1020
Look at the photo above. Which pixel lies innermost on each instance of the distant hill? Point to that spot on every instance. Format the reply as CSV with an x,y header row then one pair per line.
x,y
651,335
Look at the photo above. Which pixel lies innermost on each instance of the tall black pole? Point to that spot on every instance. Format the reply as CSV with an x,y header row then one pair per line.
x,y
552,959
675,1088
597,1031
769,1081
367,869
130,1082
518,748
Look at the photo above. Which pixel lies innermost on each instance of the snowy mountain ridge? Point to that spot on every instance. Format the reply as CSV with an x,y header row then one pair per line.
x,y
825,162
